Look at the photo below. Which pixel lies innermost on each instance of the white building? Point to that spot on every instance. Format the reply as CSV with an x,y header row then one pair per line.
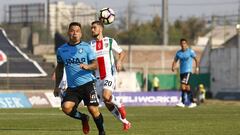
x,y
61,14
218,36
222,56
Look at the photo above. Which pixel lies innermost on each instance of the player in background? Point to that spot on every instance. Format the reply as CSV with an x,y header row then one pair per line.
x,y
185,56
79,61
62,85
107,70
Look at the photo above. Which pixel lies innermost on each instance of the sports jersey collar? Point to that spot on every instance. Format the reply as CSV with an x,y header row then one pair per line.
x,y
100,39
185,50
74,44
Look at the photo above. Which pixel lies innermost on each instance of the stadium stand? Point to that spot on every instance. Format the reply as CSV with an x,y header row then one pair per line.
x,y
22,70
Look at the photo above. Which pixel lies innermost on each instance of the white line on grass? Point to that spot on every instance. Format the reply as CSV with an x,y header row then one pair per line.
x,y
48,114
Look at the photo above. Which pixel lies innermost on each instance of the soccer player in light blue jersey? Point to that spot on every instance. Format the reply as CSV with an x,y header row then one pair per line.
x,y
186,55
79,61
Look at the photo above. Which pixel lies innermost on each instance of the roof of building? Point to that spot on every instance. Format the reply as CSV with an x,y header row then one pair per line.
x,y
17,63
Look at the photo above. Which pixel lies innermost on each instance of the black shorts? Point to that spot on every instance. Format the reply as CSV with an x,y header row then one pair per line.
x,y
86,92
185,77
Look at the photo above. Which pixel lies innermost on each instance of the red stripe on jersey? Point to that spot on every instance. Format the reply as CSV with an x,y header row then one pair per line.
x,y
100,60
101,66
99,45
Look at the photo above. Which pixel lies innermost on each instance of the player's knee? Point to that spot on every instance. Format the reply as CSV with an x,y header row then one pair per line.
x,y
186,87
67,109
107,98
94,111
183,87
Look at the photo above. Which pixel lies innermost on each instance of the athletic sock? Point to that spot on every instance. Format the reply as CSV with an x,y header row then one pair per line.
x,y
77,115
117,115
99,123
183,97
115,102
190,96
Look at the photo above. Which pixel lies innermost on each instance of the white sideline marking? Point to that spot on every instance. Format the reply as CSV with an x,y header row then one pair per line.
x,y
50,114
41,114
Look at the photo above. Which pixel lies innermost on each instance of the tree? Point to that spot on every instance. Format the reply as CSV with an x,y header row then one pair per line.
x,y
189,29
151,32
145,33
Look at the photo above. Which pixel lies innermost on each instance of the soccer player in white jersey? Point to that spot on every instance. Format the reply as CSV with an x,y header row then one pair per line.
x,y
63,85
107,70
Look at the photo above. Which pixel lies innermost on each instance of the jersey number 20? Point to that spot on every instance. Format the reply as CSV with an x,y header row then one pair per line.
x,y
107,83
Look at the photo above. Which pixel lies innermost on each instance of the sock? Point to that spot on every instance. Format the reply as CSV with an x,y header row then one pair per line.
x,y
76,114
99,123
190,96
115,102
183,97
117,115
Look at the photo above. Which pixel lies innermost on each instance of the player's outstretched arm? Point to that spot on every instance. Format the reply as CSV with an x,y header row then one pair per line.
x,y
197,65
120,60
174,65
91,66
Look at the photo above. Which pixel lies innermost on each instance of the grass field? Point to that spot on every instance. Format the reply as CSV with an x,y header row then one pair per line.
x,y
209,119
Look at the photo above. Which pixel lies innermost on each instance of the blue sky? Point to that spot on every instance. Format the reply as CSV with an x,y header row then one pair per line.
x,y
146,9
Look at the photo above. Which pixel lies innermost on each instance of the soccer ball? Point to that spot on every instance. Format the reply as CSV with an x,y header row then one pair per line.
x,y
107,16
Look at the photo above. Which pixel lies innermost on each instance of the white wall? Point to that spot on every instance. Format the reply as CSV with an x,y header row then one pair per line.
x,y
61,14
224,71
127,82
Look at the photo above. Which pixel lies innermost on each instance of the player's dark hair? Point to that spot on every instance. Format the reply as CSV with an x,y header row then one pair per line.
x,y
74,24
98,23
183,39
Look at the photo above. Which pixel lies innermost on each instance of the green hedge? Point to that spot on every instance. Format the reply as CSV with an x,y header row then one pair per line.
x,y
172,81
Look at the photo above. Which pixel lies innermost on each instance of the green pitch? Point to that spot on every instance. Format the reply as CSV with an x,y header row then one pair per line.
x,y
210,119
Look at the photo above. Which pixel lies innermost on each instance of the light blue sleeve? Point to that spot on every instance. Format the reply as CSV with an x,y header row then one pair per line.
x,y
176,58
193,54
59,58
91,54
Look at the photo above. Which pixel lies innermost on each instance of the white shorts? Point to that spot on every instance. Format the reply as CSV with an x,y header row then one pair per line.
x,y
108,83
63,87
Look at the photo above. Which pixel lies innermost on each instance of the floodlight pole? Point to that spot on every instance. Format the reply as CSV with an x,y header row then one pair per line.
x,y
238,46
129,44
48,21
238,54
165,21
